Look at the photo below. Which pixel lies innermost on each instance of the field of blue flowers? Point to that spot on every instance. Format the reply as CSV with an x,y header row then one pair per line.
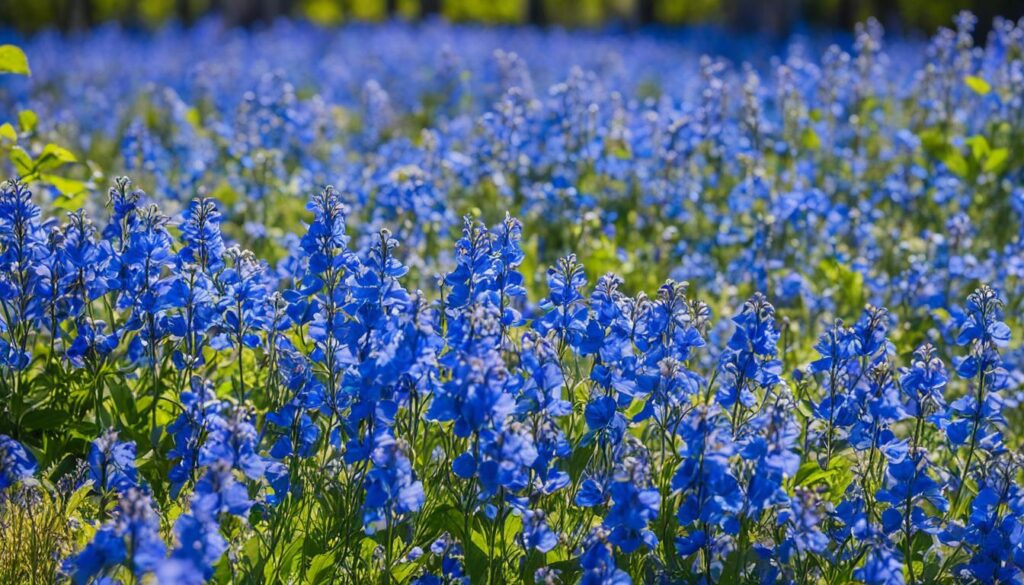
x,y
579,307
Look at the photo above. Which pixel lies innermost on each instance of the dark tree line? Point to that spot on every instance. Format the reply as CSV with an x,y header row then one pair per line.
x,y
772,17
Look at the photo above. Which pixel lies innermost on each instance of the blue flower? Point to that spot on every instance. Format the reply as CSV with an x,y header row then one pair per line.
x,y
392,489
112,464
598,561
131,539
16,463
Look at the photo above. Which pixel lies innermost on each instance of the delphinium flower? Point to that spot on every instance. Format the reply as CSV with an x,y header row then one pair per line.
x,y
23,245
131,539
769,456
565,308
87,271
598,561
198,547
537,533
50,272
192,291
143,291
451,567
711,495
995,525
243,300
232,438
882,566
200,408
320,297
373,337
475,270
634,504
973,421
199,543
508,280
539,401
838,349
666,333
125,204
201,234
908,490
392,489
611,333
803,527
16,462
749,363
112,464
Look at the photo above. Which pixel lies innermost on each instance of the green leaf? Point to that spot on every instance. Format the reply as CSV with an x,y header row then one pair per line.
x,y
53,157
27,119
956,163
22,161
977,84
7,132
810,139
44,419
995,161
979,147
13,60
321,569
73,191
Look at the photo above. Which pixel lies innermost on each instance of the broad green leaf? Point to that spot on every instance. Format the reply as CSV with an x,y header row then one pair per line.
x,y
977,84
53,157
23,163
810,139
995,161
979,147
73,192
13,60
44,419
27,119
321,569
956,163
7,132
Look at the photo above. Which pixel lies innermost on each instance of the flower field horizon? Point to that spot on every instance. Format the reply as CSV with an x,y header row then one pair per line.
x,y
439,304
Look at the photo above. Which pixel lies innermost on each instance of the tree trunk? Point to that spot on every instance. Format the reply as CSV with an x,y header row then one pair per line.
x,y
429,8
646,13
536,13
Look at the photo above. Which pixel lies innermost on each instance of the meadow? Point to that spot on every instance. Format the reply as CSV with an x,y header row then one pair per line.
x,y
444,304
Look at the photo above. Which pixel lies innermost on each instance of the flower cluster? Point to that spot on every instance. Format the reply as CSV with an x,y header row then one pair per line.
x,y
265,380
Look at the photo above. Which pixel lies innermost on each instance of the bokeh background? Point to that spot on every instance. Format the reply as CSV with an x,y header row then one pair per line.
x,y
768,17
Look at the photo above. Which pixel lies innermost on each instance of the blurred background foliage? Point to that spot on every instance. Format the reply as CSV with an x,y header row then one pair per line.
x,y
769,17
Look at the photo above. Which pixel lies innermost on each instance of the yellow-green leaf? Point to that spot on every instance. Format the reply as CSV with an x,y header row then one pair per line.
x,y
73,192
956,163
27,119
979,85
54,156
996,160
7,132
979,147
22,161
13,60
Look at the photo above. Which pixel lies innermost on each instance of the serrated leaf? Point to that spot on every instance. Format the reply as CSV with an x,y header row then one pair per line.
x,y
977,84
13,60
